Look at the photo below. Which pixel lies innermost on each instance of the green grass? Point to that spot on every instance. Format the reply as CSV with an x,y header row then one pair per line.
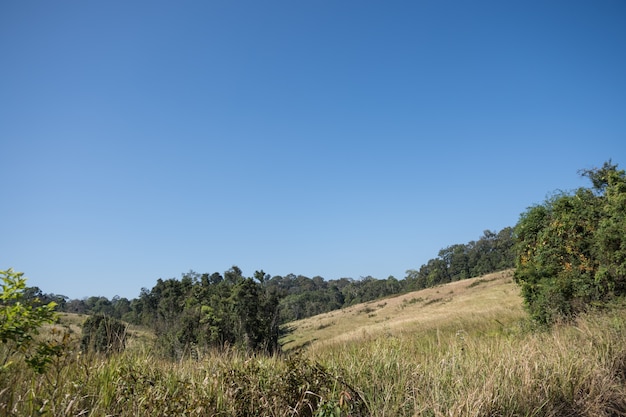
x,y
474,355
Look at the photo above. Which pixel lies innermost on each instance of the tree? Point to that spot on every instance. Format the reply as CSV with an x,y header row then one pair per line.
x,y
457,261
601,177
257,316
20,322
571,250
610,244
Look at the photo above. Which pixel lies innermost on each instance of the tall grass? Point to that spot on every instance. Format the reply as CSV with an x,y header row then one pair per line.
x,y
477,369
474,365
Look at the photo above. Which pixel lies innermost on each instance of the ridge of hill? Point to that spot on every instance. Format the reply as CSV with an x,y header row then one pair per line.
x,y
491,297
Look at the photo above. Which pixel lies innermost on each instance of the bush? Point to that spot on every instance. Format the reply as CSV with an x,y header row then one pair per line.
x,y
103,334
20,322
571,251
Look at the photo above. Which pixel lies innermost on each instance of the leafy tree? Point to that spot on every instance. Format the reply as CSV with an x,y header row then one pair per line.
x,y
20,322
571,250
257,314
99,305
76,306
610,243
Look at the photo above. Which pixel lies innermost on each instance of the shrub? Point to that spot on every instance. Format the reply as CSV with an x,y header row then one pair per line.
x,y
103,334
20,323
571,251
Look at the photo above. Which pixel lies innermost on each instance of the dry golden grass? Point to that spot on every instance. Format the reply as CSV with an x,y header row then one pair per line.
x,y
488,364
489,297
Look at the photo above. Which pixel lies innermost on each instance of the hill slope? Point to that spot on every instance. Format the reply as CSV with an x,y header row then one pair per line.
x,y
491,297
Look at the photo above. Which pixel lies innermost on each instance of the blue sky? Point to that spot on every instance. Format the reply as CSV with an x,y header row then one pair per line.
x,y
143,139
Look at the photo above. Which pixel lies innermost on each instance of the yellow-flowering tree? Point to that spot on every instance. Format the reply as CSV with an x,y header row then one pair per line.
x,y
571,250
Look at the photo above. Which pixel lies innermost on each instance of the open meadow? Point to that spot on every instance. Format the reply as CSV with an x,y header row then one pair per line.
x,y
461,349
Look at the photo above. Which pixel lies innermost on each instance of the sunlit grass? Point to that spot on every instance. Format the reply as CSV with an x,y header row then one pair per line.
x,y
480,369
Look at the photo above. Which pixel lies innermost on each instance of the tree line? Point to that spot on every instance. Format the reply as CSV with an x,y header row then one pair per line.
x,y
494,251
219,309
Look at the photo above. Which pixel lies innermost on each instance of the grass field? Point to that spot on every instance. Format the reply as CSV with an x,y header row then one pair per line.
x,y
463,349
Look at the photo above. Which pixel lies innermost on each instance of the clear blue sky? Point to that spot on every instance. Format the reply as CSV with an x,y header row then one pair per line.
x,y
143,139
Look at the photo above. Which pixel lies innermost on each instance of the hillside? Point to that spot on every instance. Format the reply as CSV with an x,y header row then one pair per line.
x,y
492,297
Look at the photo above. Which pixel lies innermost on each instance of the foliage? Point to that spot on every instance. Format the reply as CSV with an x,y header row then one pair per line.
x,y
203,311
571,250
20,323
103,334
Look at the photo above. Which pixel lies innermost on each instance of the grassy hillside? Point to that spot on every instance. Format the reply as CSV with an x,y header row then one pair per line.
x,y
492,299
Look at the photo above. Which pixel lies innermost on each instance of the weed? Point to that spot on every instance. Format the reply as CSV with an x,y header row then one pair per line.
x,y
366,310
480,281
433,301
414,300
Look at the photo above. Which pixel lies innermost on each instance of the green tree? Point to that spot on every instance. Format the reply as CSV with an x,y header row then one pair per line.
x,y
20,322
571,250
257,316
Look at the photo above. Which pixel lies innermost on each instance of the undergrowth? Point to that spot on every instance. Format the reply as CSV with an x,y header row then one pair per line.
x,y
478,365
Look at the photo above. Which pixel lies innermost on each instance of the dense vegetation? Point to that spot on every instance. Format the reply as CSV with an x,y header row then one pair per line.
x,y
572,248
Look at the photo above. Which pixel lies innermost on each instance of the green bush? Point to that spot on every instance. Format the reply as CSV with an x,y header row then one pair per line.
x,y
103,334
571,250
20,323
